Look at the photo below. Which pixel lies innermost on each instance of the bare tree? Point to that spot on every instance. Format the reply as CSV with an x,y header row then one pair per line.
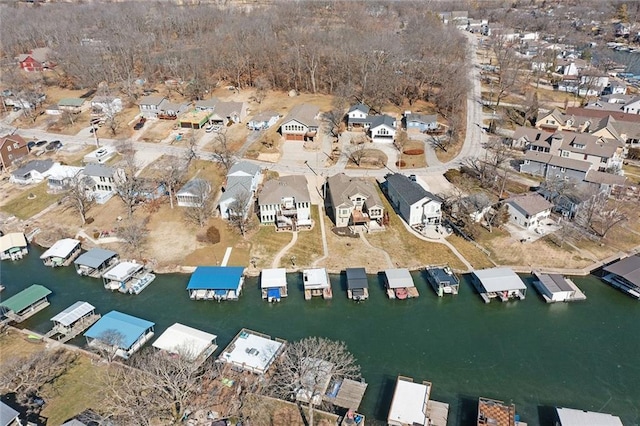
x,y
239,210
134,233
78,195
222,152
202,207
127,185
305,368
508,67
599,214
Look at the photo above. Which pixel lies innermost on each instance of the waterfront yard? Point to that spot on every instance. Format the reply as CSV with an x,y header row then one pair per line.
x,y
469,251
308,248
266,243
32,200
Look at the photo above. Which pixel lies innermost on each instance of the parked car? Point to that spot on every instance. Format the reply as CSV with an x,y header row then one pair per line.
x,y
139,125
53,145
40,143
31,145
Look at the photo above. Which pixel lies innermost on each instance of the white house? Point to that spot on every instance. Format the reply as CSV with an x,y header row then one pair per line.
x,y
263,120
416,205
242,182
102,181
358,116
528,210
150,106
420,122
193,193
383,129
632,107
105,105
33,172
301,124
60,177
286,202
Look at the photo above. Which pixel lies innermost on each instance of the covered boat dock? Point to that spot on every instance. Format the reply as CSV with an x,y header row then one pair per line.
x,y
316,283
127,277
412,405
443,280
95,262
624,275
273,283
502,283
61,253
557,288
400,284
252,351
187,342
72,321
119,333
27,303
357,284
216,283
13,246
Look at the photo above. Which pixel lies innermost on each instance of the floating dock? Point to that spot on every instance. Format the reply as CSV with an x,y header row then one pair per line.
x,y
557,288
443,280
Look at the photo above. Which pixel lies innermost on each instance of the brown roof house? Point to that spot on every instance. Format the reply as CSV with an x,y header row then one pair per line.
x,y
528,210
12,148
301,124
353,201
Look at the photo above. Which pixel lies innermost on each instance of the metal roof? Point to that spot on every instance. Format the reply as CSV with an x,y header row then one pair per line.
x,y
130,327
316,278
572,417
271,278
183,340
26,298
7,414
123,271
357,278
73,313
95,257
409,403
628,268
216,278
399,278
499,279
12,240
61,248
554,282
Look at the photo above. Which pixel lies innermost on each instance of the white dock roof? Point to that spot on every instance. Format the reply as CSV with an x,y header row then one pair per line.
x,y
399,278
499,279
122,271
271,278
11,240
316,278
184,340
62,248
572,417
73,313
409,403
252,352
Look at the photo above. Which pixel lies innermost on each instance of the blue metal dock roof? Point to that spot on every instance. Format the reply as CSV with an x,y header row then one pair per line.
x,y
129,326
216,278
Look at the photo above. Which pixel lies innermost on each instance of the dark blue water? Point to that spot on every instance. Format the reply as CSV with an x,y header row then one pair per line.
x,y
583,355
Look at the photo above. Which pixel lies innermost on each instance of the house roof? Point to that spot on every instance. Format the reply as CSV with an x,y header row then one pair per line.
x,y
572,417
61,248
275,190
305,114
60,171
207,103
216,278
530,204
95,257
195,187
13,139
151,100
357,278
422,118
599,113
316,278
226,109
73,313
244,167
26,298
409,403
70,102
265,116
98,170
627,268
555,160
272,278
122,271
184,340
359,107
7,414
342,187
411,192
603,178
40,166
499,279
12,240
130,327
105,99
40,54
399,278
382,120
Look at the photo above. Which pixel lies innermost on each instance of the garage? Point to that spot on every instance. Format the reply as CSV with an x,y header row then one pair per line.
x,y
293,137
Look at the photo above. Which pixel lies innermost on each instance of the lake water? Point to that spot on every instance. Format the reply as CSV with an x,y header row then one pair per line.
x,y
582,355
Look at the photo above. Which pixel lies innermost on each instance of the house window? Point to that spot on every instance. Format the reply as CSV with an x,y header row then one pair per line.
x,y
9,148
565,153
603,160
553,167
586,156
15,145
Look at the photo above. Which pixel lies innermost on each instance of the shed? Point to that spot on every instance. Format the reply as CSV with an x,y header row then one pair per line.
x,y
572,417
409,403
96,259
124,333
357,284
7,414
61,253
187,342
216,283
13,246
26,303
499,282
273,283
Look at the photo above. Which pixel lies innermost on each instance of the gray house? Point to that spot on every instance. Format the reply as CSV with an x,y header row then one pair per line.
x,y
416,205
242,182
286,202
554,167
352,201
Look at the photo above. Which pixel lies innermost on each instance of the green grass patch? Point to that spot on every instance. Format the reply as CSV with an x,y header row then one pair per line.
x,y
266,244
308,247
33,200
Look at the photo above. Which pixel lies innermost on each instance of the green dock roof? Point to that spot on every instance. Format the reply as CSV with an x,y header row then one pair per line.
x,y
26,298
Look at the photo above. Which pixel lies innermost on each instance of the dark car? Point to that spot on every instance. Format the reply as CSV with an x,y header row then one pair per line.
x,y
92,130
53,145
40,143
31,145
139,125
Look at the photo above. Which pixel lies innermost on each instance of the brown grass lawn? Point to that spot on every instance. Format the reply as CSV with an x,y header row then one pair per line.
x,y
408,251
266,243
23,207
453,150
346,251
308,248
473,254
257,148
413,155
157,130
632,172
212,172
372,159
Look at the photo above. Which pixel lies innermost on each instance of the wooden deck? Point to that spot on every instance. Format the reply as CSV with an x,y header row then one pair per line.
x,y
63,335
27,313
413,292
349,394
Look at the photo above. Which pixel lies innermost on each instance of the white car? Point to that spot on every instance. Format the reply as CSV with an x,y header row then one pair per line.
x,y
212,128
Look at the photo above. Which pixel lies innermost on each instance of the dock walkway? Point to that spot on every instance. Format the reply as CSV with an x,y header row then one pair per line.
x,y
63,336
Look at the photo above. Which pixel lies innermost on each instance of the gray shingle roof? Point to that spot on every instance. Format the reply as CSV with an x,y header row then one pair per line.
x,y
530,204
40,166
305,114
410,191
359,107
554,160
99,170
246,167
342,187
151,100
194,186
379,120
275,190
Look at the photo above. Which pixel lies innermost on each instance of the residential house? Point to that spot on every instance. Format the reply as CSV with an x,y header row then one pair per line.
x,y
528,210
102,184
358,116
632,107
382,129
566,201
242,182
475,205
411,405
228,112
206,104
416,205
620,29
263,120
38,59
62,177
24,100
119,334
572,417
420,122
150,106
352,201
12,148
101,105
72,105
33,172
301,124
552,167
194,193
615,87
605,182
285,202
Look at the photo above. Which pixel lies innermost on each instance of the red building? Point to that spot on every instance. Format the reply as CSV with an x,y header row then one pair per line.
x,y
37,60
12,147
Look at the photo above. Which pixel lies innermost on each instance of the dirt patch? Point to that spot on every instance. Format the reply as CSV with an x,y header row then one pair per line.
x,y
371,159
413,152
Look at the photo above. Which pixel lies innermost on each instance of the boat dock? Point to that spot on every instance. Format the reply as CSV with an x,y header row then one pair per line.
x,y
443,280
557,288
25,304
63,335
